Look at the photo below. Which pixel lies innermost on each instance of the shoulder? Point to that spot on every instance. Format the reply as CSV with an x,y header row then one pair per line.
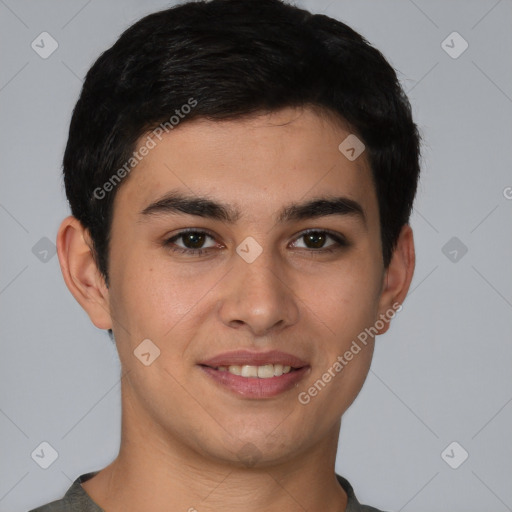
x,y
55,506
353,504
75,499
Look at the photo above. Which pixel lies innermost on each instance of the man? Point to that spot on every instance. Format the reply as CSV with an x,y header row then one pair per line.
x,y
241,176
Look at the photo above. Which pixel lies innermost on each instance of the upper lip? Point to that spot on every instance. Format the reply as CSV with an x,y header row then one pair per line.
x,y
246,357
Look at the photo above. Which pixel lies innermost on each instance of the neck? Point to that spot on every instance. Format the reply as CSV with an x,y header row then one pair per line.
x,y
156,472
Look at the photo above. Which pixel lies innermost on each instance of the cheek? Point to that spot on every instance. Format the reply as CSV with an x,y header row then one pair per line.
x,y
348,384
346,298
348,305
150,298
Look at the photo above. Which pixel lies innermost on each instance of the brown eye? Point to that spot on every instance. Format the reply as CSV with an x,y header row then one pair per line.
x,y
320,240
190,242
315,239
193,240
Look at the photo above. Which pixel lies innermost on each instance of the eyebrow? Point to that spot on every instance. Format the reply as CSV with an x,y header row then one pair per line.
x,y
176,202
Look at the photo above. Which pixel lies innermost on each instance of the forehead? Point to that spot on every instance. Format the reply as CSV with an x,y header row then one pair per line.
x,y
257,163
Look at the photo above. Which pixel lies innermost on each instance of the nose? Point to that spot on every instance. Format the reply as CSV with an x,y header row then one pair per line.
x,y
258,297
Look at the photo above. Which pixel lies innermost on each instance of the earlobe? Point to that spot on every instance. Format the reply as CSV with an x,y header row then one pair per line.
x,y
82,277
398,275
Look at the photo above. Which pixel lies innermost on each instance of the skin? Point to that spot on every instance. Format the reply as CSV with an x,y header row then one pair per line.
x,y
183,436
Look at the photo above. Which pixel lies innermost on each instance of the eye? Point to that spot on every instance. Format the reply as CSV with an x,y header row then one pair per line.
x,y
198,242
190,242
316,239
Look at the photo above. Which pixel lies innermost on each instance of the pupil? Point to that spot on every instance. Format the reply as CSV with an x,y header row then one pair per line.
x,y
194,240
316,239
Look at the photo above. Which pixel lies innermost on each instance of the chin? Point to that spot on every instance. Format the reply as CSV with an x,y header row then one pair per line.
x,y
257,448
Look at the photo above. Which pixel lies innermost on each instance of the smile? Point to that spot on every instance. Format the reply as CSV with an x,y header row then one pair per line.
x,y
255,375
266,371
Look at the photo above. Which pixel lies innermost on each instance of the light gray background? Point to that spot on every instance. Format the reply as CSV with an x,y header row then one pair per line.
x,y
441,374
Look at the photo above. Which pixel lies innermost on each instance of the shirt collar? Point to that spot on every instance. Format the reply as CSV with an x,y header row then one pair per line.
x,y
83,502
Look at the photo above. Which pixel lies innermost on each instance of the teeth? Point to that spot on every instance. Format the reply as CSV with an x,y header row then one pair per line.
x,y
265,371
235,370
249,371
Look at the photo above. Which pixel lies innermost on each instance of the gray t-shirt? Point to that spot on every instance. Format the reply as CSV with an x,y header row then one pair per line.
x,y
77,500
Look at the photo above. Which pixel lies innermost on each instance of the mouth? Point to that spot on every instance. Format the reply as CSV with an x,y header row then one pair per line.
x,y
266,371
255,375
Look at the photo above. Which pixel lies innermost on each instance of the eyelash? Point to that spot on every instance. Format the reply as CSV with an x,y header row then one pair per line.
x,y
341,242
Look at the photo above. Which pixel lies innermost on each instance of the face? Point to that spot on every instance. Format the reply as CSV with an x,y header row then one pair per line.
x,y
249,253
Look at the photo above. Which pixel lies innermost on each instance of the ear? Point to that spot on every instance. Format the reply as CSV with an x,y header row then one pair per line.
x,y
398,276
82,277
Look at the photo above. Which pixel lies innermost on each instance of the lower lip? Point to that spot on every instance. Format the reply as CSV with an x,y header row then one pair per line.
x,y
254,387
